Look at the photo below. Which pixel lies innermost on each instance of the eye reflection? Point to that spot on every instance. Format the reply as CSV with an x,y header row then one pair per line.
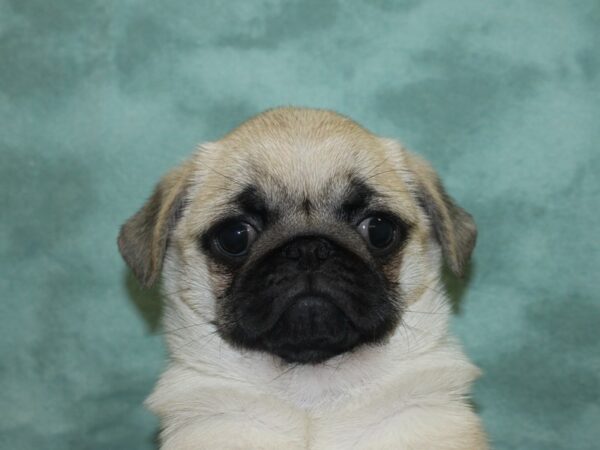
x,y
235,238
378,231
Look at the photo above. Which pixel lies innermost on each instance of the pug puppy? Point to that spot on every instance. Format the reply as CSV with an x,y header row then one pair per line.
x,y
301,258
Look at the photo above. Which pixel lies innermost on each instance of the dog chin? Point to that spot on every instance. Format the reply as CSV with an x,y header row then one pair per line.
x,y
312,330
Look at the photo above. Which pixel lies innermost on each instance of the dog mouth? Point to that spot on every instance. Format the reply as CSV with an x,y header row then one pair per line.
x,y
311,330
306,328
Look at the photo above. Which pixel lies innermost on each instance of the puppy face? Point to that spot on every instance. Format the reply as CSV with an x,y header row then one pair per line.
x,y
299,234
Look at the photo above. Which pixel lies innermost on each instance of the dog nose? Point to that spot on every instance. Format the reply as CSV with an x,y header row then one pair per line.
x,y
309,251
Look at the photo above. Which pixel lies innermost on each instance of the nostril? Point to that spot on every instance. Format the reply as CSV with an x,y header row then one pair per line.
x,y
323,250
308,251
292,252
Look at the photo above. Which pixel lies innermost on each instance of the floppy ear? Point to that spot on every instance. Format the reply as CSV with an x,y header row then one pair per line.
x,y
143,238
453,227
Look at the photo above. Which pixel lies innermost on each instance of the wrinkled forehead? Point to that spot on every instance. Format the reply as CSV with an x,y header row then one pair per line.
x,y
303,169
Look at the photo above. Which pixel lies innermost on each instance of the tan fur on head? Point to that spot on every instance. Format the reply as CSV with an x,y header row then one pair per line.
x,y
289,143
405,391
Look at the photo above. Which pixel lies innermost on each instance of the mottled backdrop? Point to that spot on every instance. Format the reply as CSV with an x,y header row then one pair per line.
x,y
99,97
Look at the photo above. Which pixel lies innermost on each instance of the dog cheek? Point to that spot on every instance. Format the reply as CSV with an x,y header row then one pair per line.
x,y
220,280
392,268
194,278
417,269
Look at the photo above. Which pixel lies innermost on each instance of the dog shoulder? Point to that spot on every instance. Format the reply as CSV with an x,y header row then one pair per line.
x,y
201,412
426,406
433,427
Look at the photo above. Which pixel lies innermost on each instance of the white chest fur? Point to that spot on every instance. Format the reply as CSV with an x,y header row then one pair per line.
x,y
410,393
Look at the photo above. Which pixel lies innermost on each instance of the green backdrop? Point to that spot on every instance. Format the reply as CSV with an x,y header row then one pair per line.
x,y
99,98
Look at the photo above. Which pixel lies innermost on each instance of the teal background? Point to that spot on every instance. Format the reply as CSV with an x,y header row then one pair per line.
x,y
99,98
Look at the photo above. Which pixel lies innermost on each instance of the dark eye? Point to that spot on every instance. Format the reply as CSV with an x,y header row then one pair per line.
x,y
379,232
235,238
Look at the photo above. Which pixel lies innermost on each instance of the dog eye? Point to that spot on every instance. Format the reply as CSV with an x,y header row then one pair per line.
x,y
235,238
379,232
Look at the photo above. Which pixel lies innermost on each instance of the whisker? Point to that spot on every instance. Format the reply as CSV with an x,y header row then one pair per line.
x,y
379,173
175,330
288,370
377,166
233,180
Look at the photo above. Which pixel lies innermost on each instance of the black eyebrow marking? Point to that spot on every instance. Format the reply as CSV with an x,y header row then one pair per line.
x,y
252,203
358,198
307,206
249,205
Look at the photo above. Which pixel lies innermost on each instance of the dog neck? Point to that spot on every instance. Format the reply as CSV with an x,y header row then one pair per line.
x,y
420,343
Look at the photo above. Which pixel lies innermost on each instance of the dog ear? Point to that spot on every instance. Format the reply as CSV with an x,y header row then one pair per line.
x,y
453,227
144,237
